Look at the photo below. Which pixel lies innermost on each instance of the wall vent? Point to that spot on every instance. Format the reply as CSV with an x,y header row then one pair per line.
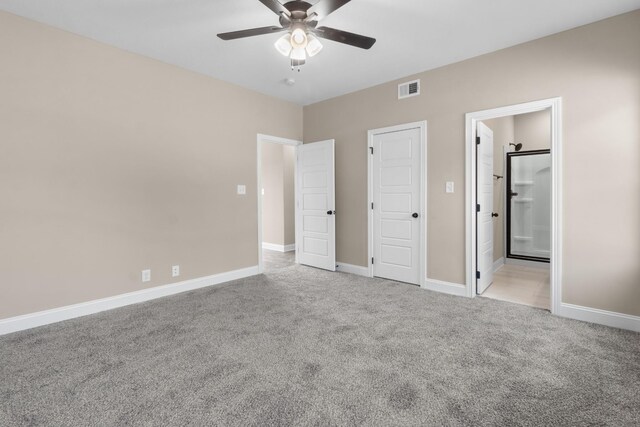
x,y
409,89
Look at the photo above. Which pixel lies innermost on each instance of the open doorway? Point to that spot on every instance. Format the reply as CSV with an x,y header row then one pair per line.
x,y
521,209
514,202
276,202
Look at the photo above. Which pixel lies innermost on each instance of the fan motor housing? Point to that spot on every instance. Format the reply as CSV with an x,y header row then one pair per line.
x,y
298,10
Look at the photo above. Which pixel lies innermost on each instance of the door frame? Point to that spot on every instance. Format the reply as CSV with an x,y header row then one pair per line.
x,y
471,119
422,125
264,139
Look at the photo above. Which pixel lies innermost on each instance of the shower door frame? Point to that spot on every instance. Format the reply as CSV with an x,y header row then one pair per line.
x,y
508,204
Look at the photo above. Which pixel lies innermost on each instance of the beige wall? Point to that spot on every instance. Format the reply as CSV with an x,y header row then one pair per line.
x,y
596,69
278,209
289,160
503,134
533,130
111,163
273,196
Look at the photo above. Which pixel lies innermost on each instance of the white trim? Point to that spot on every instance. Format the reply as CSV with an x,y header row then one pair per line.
x,y
422,125
445,287
358,270
279,248
278,140
40,318
527,263
555,104
261,138
603,317
497,264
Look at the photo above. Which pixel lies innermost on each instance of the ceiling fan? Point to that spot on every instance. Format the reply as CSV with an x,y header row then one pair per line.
x,y
299,19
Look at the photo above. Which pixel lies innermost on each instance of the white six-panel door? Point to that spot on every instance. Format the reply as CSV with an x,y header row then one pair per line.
x,y
485,201
316,212
396,205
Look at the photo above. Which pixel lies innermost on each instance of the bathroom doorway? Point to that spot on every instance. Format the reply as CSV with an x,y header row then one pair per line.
x,y
513,217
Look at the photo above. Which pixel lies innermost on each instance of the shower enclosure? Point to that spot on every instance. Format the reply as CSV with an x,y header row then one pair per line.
x,y
529,205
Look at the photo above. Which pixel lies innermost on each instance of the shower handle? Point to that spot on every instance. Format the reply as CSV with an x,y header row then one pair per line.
x,y
494,214
511,193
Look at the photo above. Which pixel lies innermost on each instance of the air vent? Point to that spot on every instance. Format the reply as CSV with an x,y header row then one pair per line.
x,y
409,89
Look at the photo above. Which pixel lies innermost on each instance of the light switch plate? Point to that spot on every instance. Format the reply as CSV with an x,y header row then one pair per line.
x,y
242,189
449,187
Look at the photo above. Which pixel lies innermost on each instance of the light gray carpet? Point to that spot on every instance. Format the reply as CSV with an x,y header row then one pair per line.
x,y
307,347
274,260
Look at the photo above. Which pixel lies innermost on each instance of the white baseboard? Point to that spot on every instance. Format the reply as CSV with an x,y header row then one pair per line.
x,y
603,317
279,248
352,269
445,287
40,318
497,264
526,263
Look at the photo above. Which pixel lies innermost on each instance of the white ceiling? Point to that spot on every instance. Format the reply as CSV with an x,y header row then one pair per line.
x,y
413,36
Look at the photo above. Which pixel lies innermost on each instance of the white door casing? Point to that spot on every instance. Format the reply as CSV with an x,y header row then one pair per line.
x,y
485,202
316,212
396,205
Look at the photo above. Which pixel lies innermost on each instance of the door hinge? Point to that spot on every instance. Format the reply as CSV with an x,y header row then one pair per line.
x,y
478,139
477,208
371,260
371,205
371,148
477,275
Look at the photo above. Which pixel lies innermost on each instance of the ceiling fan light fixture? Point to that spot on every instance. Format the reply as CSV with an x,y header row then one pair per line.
x,y
283,45
313,46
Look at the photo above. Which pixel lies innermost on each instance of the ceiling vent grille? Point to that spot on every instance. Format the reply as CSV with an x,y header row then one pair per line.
x,y
409,89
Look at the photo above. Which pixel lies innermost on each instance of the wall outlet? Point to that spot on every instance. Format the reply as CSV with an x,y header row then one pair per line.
x,y
242,189
449,187
146,275
175,271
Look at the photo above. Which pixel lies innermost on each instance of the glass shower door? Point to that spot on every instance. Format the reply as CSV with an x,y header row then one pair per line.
x,y
529,205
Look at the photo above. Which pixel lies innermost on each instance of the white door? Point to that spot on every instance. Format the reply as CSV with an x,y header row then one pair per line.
x,y
396,205
316,212
484,220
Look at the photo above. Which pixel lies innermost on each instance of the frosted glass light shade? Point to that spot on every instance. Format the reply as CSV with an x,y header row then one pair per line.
x,y
298,54
298,38
313,45
283,44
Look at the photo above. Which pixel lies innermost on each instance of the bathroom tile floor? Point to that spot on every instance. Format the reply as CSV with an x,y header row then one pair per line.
x,y
522,285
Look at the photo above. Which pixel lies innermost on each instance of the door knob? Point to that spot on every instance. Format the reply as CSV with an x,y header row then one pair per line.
x,y
415,215
494,214
331,212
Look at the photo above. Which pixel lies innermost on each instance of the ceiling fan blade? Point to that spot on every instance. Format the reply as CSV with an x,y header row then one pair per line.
x,y
325,7
345,37
276,7
250,33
